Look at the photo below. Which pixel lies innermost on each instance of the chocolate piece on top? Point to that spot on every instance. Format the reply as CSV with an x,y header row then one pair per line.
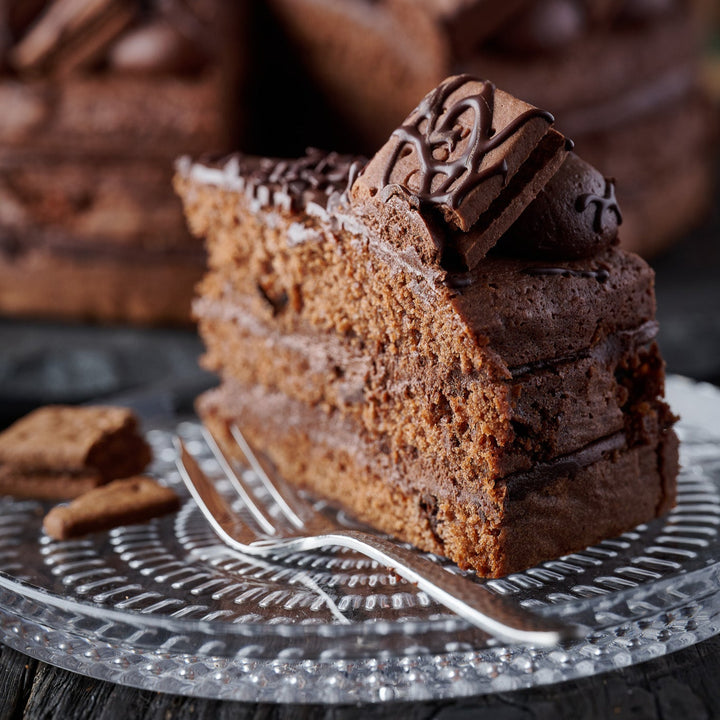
x,y
72,35
574,216
466,150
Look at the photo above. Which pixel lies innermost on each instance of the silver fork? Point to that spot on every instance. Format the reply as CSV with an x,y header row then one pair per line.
x,y
306,528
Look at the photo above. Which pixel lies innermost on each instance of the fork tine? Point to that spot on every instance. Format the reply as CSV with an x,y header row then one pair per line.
x,y
261,517
496,615
217,510
298,512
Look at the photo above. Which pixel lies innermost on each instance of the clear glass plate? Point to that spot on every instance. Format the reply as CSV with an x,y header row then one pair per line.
x,y
163,607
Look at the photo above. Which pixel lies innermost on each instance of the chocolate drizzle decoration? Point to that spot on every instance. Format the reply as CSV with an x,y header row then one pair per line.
x,y
316,171
435,135
602,204
317,176
601,275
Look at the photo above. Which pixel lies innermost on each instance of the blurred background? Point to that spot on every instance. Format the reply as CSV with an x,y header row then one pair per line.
x,y
99,98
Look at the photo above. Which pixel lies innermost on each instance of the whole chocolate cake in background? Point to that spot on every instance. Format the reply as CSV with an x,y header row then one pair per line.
x,y
396,336
621,77
98,98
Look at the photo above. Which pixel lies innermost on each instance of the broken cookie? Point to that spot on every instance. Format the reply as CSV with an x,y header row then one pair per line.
x,y
121,502
61,451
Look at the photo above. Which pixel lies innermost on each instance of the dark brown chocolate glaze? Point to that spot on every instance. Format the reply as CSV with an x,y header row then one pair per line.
x,y
434,130
576,215
459,280
521,483
604,204
623,341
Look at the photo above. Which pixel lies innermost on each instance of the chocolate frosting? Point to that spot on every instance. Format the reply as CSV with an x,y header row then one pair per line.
x,y
576,215
456,150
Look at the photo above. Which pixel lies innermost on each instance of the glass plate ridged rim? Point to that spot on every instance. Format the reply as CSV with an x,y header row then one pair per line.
x,y
671,601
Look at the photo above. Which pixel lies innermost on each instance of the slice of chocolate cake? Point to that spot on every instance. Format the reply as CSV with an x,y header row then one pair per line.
x,y
398,336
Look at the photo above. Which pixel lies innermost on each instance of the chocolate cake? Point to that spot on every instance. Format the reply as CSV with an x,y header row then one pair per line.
x,y
621,77
396,336
98,100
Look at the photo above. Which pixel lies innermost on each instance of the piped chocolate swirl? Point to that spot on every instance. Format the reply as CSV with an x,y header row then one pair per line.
x,y
576,215
452,158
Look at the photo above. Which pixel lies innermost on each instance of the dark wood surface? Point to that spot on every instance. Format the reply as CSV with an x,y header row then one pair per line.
x,y
681,686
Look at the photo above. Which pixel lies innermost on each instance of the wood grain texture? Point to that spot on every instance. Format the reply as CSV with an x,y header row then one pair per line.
x,y
683,685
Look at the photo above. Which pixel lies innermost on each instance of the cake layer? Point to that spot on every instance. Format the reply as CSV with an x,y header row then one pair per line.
x,y
555,406
307,265
112,116
554,509
99,283
124,202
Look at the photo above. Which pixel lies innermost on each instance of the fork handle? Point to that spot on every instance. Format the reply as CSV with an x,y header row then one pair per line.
x,y
474,603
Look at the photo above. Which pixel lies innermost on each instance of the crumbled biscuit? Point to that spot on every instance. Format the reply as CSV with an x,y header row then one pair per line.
x,y
58,452
39,485
63,438
121,502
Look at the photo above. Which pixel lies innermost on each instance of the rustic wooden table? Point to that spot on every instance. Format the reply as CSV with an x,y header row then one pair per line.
x,y
682,686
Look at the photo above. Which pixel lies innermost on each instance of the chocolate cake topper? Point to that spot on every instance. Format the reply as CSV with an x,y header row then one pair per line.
x,y
451,158
574,216
457,150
